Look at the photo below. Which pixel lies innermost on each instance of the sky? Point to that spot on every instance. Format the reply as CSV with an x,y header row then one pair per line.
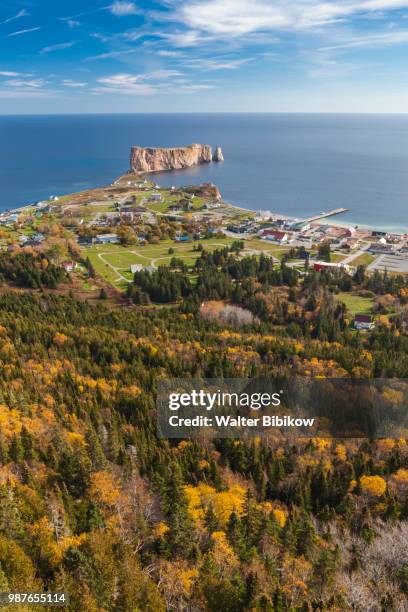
x,y
203,56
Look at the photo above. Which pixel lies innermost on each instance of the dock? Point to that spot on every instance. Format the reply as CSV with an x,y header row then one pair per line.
x,y
324,215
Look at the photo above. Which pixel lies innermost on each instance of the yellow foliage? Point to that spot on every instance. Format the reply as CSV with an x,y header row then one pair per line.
x,y
161,529
321,443
280,516
60,339
75,438
187,578
223,502
373,485
103,488
341,452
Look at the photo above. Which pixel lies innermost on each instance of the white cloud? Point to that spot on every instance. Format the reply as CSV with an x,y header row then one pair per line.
x,y
100,37
194,88
58,47
216,64
19,32
372,40
127,84
190,38
165,53
33,83
73,84
110,54
162,74
22,13
234,18
72,23
121,9
7,73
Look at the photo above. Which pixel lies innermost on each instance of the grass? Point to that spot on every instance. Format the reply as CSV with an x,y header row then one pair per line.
x,y
266,247
124,259
355,303
113,261
337,257
363,260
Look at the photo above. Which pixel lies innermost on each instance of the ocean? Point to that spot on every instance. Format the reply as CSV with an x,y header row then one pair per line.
x,y
294,164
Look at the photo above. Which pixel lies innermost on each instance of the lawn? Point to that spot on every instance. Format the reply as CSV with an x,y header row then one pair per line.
x,y
363,260
337,257
113,261
355,303
267,247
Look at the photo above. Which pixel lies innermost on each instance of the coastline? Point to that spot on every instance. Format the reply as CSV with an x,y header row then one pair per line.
x,y
400,230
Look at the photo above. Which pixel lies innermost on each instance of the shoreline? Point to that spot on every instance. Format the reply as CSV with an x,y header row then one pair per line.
x,y
399,230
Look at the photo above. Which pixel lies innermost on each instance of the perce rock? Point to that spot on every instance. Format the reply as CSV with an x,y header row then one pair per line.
x,y
149,159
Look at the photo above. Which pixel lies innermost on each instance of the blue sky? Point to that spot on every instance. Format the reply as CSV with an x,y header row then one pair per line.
x,y
203,55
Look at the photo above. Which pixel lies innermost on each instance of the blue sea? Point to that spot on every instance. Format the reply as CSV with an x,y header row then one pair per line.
x,y
294,164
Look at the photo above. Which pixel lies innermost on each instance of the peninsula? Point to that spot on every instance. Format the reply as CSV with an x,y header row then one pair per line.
x,y
156,159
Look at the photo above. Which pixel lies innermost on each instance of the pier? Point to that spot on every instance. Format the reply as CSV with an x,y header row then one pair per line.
x,y
330,213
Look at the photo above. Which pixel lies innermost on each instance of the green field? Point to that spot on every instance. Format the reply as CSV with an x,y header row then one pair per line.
x,y
363,260
113,261
337,257
355,303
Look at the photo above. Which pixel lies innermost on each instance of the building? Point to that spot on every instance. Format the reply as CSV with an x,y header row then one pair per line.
x,y
38,237
69,266
136,268
85,240
183,238
364,321
107,239
326,265
275,236
378,247
300,226
155,197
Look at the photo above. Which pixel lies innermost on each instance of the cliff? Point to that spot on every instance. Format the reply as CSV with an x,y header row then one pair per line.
x,y
147,159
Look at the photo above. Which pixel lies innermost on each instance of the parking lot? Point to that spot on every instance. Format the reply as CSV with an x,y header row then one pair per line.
x,y
392,263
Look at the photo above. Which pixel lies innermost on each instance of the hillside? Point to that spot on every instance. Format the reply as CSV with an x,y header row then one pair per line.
x,y
95,504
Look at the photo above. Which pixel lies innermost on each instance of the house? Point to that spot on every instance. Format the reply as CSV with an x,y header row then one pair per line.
x,y
155,197
326,265
378,247
69,266
38,237
136,268
107,239
275,236
364,321
23,239
85,240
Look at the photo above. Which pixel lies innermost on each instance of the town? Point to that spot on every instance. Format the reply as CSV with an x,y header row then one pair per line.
x,y
135,225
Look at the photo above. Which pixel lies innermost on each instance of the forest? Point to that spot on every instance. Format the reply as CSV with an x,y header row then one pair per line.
x,y
93,503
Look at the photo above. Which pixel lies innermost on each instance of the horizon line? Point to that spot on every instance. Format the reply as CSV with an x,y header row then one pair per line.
x,y
91,114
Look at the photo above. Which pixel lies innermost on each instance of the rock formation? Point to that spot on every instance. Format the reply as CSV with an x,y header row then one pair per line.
x,y
218,156
207,191
147,159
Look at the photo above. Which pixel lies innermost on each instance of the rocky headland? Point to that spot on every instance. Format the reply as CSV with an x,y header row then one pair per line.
x,y
155,159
